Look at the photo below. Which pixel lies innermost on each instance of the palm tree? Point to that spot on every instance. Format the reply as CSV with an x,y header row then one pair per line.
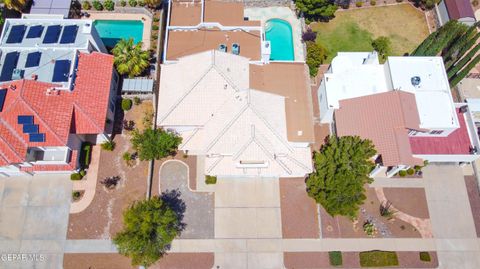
x,y
129,58
18,5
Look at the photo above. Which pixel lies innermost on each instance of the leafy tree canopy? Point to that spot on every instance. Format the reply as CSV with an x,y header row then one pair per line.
x,y
323,10
155,144
316,55
149,228
382,45
341,170
17,5
129,58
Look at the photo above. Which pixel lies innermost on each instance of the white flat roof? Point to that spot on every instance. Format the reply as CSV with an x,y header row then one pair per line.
x,y
352,78
434,99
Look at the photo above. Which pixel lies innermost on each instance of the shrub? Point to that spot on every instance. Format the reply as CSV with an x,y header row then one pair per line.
x,y
155,27
127,156
75,195
136,100
75,176
110,182
86,149
410,171
417,167
402,173
109,5
132,3
316,54
359,4
385,210
335,258
128,125
369,228
108,145
210,179
475,3
126,104
123,3
156,19
154,37
373,2
309,35
97,5
82,173
141,3
378,258
86,5
425,256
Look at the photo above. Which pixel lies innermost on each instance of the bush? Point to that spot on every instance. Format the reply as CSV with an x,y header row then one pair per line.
x,y
128,125
109,5
156,19
110,182
425,256
108,145
75,176
86,149
75,195
410,171
154,37
369,228
402,173
86,5
335,258
123,3
141,3
155,27
316,54
132,3
309,35
417,167
359,4
97,5
373,2
210,179
82,173
385,210
136,100
378,258
126,104
475,3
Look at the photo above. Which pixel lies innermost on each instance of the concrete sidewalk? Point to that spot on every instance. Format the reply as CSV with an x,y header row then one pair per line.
x,y
380,182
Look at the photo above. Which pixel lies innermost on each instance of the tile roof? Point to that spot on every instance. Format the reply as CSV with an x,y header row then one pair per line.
x,y
385,119
458,9
84,109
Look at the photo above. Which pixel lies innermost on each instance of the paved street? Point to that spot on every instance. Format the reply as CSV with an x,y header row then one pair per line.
x,y
34,218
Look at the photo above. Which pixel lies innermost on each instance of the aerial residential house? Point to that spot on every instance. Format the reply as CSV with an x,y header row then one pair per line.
x,y
460,10
57,89
404,106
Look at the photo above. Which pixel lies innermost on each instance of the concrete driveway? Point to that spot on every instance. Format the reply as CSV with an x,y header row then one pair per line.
x,y
34,220
199,212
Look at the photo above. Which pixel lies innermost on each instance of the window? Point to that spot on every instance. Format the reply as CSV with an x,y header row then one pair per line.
x,y
436,132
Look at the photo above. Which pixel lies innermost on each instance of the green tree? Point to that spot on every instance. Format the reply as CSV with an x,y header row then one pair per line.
x,y
316,55
149,228
17,5
441,39
152,3
341,170
129,58
323,10
462,74
460,64
383,46
155,144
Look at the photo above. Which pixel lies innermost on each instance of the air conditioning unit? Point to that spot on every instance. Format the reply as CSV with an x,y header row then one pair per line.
x,y
17,74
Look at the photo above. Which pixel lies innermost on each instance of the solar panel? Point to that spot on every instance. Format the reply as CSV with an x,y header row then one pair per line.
x,y
33,59
52,34
22,119
36,137
16,34
69,34
35,31
10,63
61,71
3,94
30,128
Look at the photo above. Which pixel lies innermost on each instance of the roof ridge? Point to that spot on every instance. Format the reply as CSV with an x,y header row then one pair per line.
x,y
214,164
75,105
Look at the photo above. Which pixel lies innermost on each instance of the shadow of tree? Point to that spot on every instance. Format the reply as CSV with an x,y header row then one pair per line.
x,y
173,199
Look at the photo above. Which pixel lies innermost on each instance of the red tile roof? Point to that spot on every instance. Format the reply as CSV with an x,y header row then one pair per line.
x,y
83,110
383,118
458,142
458,9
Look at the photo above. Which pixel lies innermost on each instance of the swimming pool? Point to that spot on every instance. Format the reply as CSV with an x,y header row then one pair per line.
x,y
279,33
111,31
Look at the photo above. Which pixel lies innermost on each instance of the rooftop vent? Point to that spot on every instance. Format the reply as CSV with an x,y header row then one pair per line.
x,y
415,80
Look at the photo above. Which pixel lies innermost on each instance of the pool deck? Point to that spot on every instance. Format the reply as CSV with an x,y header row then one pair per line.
x,y
147,23
284,13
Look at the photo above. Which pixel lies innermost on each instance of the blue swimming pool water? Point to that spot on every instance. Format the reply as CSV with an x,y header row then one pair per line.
x,y
112,31
279,33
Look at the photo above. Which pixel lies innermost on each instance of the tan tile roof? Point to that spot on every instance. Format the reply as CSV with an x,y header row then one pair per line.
x,y
288,80
185,13
383,118
183,43
227,14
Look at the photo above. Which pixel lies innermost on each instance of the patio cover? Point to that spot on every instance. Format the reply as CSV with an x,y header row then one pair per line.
x,y
51,7
137,85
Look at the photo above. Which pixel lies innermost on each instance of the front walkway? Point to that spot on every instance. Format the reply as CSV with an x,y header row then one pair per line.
x,y
88,185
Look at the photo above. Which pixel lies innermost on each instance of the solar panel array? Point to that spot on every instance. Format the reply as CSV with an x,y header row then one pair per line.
x,y
61,71
28,127
10,63
16,34
3,95
69,34
35,31
33,59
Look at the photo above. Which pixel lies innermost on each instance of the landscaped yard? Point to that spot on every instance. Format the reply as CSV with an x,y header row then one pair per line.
x,y
354,30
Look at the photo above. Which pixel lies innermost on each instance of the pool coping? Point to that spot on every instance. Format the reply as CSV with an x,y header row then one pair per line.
x,y
147,23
